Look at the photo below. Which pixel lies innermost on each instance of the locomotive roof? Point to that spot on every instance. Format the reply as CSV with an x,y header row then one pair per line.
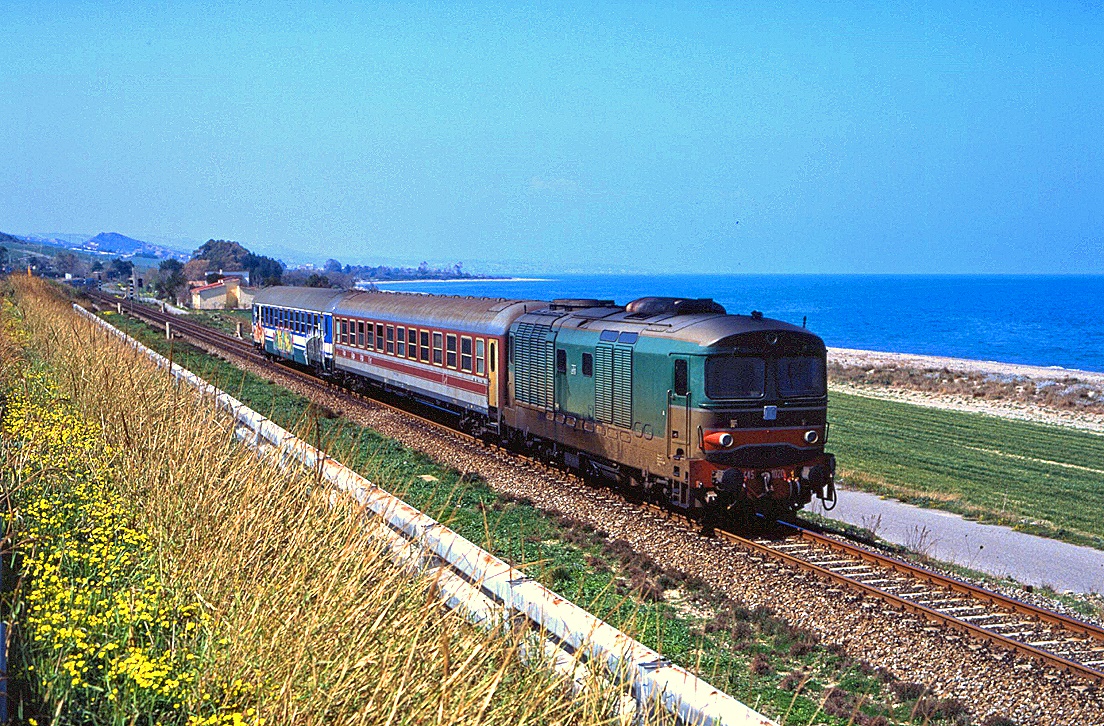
x,y
302,298
703,329
486,315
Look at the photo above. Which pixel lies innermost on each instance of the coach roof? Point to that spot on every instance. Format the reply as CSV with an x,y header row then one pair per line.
x,y
486,315
317,299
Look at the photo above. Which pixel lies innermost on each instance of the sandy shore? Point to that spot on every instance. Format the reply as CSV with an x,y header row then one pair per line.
x,y
1026,411
852,357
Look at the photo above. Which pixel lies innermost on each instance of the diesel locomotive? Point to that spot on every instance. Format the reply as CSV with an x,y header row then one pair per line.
x,y
673,398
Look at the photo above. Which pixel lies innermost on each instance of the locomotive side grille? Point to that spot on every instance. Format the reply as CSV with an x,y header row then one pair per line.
x,y
603,383
533,364
622,387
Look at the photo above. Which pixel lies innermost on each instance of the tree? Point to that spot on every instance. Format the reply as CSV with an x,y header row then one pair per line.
x,y
67,262
170,282
263,271
316,280
4,256
222,254
196,269
120,269
331,265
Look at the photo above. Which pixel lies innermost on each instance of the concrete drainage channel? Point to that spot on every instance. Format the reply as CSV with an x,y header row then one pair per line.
x,y
483,588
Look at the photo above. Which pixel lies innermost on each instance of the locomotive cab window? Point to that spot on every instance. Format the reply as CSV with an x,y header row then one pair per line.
x,y
800,376
730,376
561,360
588,364
682,378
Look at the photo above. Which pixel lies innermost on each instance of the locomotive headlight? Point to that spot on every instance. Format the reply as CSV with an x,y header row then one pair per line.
x,y
718,439
811,437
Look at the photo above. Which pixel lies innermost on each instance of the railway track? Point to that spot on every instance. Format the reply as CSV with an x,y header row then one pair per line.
x,y
1057,640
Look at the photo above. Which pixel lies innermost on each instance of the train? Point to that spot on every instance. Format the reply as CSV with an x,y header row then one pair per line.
x,y
674,399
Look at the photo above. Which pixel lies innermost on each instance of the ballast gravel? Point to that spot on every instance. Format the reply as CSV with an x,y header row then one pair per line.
x,y
990,681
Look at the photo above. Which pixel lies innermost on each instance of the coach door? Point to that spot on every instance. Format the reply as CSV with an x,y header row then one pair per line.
x,y
492,373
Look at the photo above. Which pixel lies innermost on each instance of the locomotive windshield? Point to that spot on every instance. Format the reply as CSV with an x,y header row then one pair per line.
x,y
729,376
799,376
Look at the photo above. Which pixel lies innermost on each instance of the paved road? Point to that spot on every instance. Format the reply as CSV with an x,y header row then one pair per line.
x,y
988,548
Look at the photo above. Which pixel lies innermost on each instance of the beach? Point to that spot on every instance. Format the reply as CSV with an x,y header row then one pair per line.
x,y
1009,390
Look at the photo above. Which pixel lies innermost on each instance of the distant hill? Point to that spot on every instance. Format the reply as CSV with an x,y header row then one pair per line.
x,y
108,243
114,242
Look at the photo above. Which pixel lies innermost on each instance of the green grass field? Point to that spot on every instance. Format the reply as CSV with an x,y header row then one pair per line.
x,y
1038,478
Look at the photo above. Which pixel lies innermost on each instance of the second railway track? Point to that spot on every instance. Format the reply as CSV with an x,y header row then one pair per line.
x,y
1059,641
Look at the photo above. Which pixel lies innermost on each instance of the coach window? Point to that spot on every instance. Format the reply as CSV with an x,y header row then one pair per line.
x,y
588,364
466,354
379,338
391,339
438,338
400,341
480,360
360,333
561,360
425,346
450,350
412,343
369,340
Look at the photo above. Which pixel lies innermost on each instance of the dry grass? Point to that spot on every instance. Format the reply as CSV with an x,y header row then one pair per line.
x,y
307,611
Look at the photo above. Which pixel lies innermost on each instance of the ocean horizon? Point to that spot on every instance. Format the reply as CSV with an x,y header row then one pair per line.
x,y
1042,320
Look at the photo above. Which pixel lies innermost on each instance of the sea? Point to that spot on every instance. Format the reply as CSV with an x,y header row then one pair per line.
x,y
1044,320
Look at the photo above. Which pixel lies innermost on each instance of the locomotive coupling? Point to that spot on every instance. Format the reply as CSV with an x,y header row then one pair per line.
x,y
821,476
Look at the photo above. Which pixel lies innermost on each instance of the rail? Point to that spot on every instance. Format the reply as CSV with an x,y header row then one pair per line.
x,y
483,587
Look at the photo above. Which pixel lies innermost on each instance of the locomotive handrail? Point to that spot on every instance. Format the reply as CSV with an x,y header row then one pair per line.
x,y
480,584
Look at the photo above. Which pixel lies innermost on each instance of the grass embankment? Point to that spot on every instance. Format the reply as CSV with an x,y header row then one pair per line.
x,y
750,654
225,320
166,575
1037,478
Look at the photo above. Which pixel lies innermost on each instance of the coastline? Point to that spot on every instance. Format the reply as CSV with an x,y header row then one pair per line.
x,y
377,283
855,357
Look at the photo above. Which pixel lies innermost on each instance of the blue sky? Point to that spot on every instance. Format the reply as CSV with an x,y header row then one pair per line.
x,y
813,137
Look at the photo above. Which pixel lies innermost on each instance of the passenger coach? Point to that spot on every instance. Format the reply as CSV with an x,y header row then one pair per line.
x,y
294,323
446,351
